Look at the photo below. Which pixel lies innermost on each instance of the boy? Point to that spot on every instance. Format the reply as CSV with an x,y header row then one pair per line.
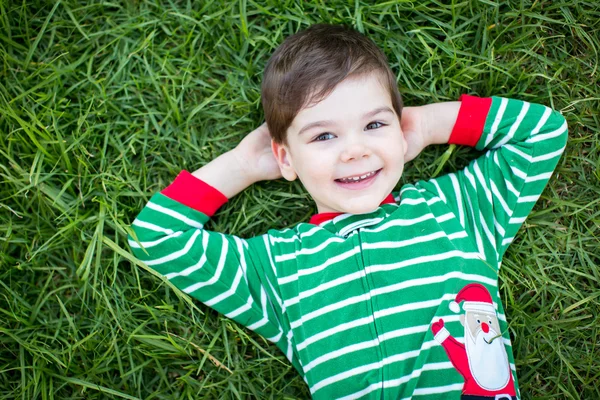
x,y
379,295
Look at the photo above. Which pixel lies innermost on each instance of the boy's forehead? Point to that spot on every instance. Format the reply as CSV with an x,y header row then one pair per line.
x,y
352,98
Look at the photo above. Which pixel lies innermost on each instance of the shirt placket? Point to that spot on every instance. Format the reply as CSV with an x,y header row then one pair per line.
x,y
372,303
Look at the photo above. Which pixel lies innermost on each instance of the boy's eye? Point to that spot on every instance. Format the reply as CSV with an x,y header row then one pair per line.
x,y
374,125
323,136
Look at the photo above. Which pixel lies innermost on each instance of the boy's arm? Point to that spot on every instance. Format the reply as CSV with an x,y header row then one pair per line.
x,y
232,275
426,125
251,161
493,195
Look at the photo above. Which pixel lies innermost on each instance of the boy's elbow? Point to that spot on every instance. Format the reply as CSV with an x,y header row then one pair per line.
x,y
564,127
558,123
135,246
143,238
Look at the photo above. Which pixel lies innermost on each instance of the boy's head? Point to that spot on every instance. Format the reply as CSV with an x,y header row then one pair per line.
x,y
333,109
308,65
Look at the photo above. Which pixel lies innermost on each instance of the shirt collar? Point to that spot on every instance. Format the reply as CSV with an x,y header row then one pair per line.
x,y
344,223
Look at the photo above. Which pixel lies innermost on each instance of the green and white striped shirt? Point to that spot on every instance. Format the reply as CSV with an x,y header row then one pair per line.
x,y
351,300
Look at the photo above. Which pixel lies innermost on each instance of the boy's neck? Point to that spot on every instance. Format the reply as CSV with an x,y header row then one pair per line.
x,y
318,219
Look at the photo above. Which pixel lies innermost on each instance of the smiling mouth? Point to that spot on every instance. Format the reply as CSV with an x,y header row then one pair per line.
x,y
358,178
492,339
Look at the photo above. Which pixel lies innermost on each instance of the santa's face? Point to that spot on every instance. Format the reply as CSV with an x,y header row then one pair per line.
x,y
480,321
485,350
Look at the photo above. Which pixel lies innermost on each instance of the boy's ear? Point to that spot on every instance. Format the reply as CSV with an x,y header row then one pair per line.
x,y
284,160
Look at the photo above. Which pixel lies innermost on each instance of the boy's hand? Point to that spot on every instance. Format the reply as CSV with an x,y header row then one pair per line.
x,y
256,157
251,161
414,127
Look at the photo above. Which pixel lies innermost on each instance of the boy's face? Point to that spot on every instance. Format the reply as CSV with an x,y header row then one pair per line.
x,y
348,149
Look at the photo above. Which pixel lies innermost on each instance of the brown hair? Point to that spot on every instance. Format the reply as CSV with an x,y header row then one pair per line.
x,y
308,65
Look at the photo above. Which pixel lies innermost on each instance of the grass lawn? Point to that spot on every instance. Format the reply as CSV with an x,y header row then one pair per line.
x,y
101,105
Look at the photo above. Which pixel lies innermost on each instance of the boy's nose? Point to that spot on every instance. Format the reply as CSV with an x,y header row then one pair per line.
x,y
355,151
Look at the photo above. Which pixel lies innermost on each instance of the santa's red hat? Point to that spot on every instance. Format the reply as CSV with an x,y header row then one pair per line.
x,y
476,298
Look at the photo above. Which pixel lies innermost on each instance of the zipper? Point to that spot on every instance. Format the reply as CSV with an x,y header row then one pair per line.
x,y
379,349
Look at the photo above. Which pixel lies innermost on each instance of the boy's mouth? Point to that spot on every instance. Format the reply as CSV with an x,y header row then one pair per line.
x,y
358,178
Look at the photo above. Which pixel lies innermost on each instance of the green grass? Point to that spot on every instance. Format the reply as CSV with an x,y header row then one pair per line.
x,y
101,105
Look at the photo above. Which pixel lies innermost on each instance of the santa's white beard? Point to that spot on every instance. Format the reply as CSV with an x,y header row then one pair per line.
x,y
488,362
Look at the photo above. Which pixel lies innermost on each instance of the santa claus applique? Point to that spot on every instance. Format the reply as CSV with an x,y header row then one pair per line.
x,y
482,360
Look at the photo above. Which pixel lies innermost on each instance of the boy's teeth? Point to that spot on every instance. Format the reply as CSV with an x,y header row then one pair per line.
x,y
357,178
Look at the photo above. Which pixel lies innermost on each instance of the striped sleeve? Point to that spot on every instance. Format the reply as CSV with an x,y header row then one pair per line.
x,y
227,273
493,195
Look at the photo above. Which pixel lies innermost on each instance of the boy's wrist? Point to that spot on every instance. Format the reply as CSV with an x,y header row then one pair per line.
x,y
439,120
226,173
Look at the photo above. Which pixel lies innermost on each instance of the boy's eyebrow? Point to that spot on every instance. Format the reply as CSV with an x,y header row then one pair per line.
x,y
328,122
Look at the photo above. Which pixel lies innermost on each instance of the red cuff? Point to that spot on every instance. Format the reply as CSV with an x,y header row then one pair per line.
x,y
471,120
195,193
